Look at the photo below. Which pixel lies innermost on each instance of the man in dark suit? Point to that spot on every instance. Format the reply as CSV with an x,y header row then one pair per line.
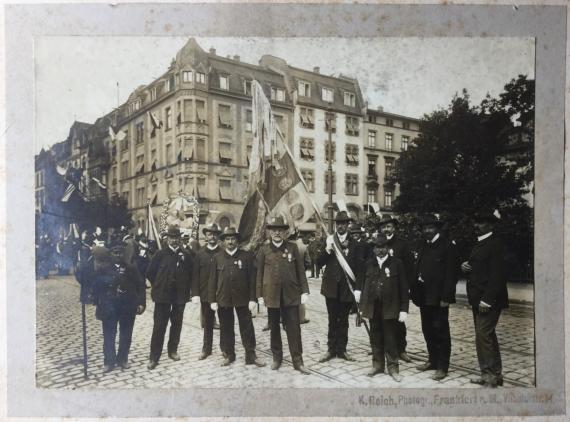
x,y
232,286
201,275
169,273
335,289
282,286
432,290
399,248
385,302
487,295
119,293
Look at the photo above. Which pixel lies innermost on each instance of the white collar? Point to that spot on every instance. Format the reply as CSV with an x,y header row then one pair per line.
x,y
390,237
483,237
232,253
382,260
212,248
434,238
277,245
173,250
342,237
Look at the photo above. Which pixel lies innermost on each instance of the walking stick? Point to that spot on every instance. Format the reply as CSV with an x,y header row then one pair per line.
x,y
84,329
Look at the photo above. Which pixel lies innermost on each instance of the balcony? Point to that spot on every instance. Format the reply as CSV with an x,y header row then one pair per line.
x,y
372,181
390,181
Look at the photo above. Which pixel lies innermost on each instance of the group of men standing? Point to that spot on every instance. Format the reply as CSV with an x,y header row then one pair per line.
x,y
378,273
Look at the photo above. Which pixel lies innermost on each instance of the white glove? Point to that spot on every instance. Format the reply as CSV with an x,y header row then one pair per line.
x,y
195,300
329,243
252,305
304,298
260,301
214,306
357,296
403,317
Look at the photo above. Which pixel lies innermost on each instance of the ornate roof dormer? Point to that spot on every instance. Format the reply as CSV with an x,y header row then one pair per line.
x,y
191,55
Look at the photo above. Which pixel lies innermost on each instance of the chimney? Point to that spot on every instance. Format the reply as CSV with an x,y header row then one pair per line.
x,y
212,51
236,58
317,69
380,108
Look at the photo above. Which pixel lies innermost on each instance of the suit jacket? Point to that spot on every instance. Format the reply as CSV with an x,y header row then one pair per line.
x,y
438,267
201,272
170,274
232,279
280,274
334,283
394,288
401,249
487,279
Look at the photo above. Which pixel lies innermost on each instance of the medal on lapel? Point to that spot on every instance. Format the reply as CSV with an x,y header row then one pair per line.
x,y
238,263
387,271
391,252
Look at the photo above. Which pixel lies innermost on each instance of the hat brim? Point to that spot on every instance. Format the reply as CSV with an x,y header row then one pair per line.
x,y
277,226
206,230
392,220
343,220
223,236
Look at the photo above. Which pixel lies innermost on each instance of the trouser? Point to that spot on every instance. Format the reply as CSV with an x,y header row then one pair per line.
x,y
401,334
125,322
207,318
435,326
227,333
302,312
338,325
383,340
162,313
290,315
487,345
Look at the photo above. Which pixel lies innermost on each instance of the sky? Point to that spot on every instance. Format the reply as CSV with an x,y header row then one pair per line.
x,y
76,77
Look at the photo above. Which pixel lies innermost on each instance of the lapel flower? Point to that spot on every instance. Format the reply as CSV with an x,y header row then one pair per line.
x,y
387,271
289,257
285,253
238,263
391,252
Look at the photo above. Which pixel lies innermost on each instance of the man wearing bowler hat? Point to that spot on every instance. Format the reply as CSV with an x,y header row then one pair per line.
x,y
232,286
200,277
385,302
282,286
432,290
334,286
169,273
487,295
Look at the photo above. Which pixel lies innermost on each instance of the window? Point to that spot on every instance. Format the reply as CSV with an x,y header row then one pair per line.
x,y
371,166
167,85
248,120
153,159
329,147
168,187
187,76
224,118
351,155
168,154
168,118
327,183
139,164
351,184
224,82
279,124
187,110
307,149
330,118
200,77
200,149
405,142
114,175
349,99
201,187
125,196
352,126
225,189
371,196
201,111
406,125
139,132
371,119
171,83
389,166
140,197
135,105
226,153
327,95
389,122
309,178
248,153
277,94
247,87
304,89
307,119
372,138
125,170
389,137
388,199
153,93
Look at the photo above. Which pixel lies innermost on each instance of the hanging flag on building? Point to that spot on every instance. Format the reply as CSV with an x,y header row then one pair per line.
x,y
68,192
156,123
99,183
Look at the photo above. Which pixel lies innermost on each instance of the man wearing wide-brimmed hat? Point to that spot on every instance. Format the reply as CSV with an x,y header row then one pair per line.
x,y
169,273
400,248
335,289
232,287
282,286
487,295
432,290
200,277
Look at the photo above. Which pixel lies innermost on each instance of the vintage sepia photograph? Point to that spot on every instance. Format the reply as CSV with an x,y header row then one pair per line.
x,y
250,212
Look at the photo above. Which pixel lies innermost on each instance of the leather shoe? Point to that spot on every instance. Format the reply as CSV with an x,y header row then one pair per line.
x,y
396,376
204,355
481,381
124,365
302,370
228,361
216,326
375,371
174,356
305,321
266,328
345,356
256,362
425,366
275,365
404,356
107,368
439,375
326,357
152,364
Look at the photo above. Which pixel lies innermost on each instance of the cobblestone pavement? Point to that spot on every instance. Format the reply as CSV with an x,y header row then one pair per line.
x,y
59,350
